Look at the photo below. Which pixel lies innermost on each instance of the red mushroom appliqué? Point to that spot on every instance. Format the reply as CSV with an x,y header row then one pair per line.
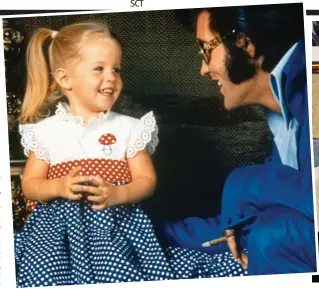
x,y
107,140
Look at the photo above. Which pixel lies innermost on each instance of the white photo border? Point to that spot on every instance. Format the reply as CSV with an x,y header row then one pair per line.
x,y
7,270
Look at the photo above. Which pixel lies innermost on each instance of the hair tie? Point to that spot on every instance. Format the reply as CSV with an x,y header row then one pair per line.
x,y
53,34
45,50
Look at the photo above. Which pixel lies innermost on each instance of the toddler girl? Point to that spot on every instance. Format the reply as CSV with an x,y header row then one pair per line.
x,y
87,169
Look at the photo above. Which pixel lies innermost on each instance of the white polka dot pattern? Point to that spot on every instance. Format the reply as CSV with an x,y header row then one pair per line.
x,y
107,139
62,245
113,171
67,243
108,169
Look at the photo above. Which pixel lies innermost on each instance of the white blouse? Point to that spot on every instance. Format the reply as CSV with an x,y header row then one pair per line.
x,y
64,137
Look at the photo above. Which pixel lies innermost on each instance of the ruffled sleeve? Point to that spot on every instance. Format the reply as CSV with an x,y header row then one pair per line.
x,y
144,134
31,141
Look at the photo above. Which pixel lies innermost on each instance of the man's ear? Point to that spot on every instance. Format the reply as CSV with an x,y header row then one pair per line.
x,y
245,42
250,48
62,77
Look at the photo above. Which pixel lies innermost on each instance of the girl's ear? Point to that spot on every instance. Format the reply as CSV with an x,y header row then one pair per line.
x,y
63,79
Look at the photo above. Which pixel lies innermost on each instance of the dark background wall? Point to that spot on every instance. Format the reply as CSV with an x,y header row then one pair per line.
x,y
200,142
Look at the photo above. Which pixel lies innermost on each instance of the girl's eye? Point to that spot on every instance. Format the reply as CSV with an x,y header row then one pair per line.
x,y
99,68
117,70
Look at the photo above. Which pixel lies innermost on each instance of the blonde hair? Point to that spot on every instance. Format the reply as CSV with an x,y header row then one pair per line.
x,y
42,91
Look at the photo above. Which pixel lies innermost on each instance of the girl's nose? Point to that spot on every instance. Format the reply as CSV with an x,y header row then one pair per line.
x,y
109,76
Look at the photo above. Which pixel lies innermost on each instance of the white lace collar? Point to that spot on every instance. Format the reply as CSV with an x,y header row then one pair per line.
x,y
62,110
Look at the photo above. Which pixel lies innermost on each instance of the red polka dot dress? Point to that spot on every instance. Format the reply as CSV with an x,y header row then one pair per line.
x,y
65,242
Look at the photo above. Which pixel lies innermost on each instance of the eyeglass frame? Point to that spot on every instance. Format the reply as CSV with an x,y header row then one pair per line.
x,y
205,48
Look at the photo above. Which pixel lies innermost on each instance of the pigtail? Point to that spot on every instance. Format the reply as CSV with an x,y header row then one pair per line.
x,y
35,104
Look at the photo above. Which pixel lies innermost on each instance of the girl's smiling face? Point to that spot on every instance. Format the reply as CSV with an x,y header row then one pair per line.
x,y
95,81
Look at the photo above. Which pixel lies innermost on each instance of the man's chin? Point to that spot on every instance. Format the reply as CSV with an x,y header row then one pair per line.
x,y
229,106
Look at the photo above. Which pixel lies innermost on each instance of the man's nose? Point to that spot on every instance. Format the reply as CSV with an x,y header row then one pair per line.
x,y
204,70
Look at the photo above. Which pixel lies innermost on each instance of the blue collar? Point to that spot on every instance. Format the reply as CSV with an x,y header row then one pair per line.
x,y
283,75
287,82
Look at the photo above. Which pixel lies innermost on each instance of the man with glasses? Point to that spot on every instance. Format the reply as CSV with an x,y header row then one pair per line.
x,y
256,55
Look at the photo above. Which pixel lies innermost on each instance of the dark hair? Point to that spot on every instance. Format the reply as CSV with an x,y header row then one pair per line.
x,y
273,29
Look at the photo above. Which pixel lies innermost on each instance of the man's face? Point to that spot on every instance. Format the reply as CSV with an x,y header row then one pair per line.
x,y
235,95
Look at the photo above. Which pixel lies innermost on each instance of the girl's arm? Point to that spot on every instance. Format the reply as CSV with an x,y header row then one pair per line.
x,y
143,179
142,186
37,187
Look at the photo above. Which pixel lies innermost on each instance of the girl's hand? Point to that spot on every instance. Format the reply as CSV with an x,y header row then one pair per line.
x,y
70,185
103,195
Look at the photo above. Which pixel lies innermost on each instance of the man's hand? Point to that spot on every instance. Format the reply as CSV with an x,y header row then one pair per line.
x,y
237,252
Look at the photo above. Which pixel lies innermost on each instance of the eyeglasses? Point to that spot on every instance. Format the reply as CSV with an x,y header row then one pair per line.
x,y
206,48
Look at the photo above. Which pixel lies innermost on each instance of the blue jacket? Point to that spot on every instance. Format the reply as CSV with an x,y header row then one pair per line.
x,y
251,189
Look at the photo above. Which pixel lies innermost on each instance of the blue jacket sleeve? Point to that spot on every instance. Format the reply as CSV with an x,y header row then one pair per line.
x,y
251,189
